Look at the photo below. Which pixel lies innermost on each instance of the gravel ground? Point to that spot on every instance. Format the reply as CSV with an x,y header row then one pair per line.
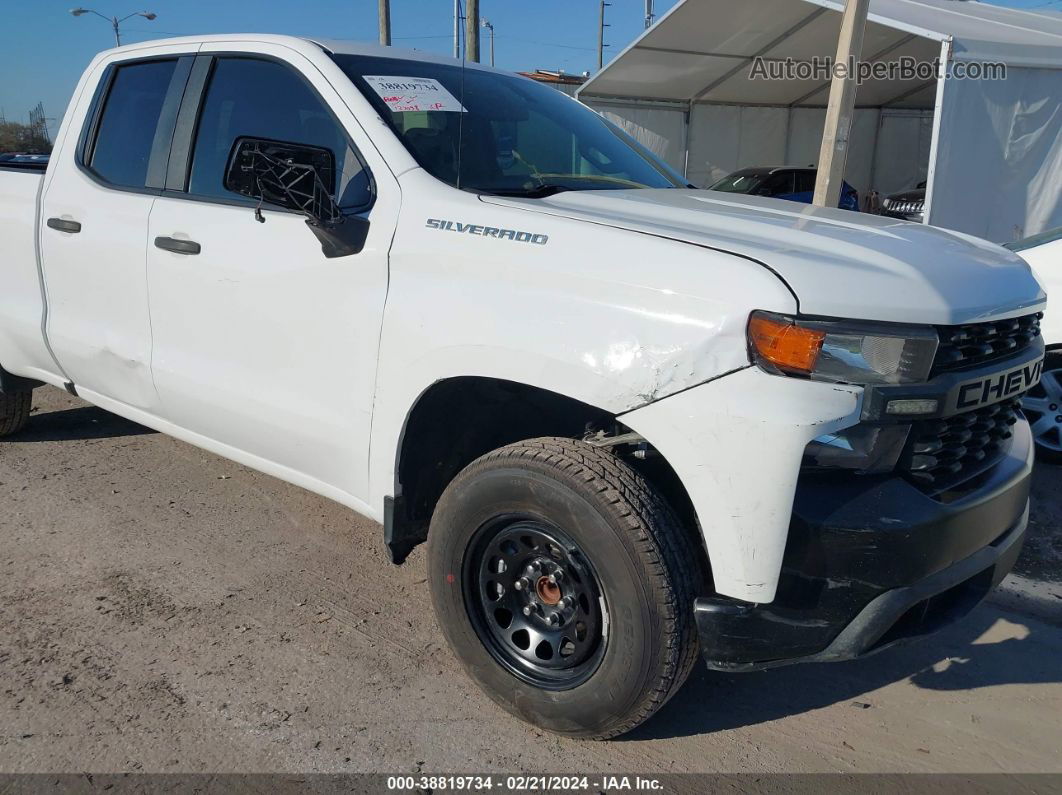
x,y
162,609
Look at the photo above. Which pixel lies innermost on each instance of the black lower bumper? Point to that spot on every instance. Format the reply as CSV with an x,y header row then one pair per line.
x,y
871,562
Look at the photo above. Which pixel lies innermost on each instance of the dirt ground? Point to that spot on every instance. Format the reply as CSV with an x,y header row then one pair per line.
x,y
162,609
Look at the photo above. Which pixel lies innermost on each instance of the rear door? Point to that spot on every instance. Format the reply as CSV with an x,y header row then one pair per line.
x,y
95,215
261,343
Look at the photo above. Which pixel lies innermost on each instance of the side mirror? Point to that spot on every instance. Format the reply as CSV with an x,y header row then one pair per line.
x,y
300,178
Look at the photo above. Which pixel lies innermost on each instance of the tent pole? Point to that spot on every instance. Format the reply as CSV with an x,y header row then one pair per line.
x,y
839,112
686,157
934,141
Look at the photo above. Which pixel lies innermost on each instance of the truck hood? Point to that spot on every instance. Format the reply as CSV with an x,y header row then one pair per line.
x,y
837,263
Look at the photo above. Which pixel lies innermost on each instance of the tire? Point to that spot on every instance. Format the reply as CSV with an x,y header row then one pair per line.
x,y
14,411
565,506
1047,422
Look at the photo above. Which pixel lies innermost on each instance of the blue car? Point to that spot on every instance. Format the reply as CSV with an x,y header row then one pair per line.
x,y
783,182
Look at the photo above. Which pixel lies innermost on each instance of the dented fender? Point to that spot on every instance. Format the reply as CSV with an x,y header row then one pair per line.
x,y
736,444
610,317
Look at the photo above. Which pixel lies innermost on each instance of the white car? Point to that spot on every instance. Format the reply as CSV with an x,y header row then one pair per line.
x,y
630,418
1043,404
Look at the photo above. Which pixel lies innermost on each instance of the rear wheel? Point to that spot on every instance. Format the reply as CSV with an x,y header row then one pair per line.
x,y
14,411
565,585
1043,406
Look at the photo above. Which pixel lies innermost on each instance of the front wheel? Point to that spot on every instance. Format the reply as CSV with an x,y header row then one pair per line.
x,y
1043,406
565,585
14,411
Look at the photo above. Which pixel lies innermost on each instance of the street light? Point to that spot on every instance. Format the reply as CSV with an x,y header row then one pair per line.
x,y
487,24
115,21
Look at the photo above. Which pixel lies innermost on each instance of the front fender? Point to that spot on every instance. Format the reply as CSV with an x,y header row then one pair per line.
x,y
736,444
612,318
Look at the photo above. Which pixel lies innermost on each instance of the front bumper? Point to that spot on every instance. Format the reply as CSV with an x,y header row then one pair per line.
x,y
871,562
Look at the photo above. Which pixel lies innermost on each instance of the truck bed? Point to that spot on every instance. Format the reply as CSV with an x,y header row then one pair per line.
x,y
8,165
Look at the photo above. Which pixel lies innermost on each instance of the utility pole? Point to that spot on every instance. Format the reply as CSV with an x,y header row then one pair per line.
x,y
601,35
649,15
841,108
385,23
490,26
472,30
457,28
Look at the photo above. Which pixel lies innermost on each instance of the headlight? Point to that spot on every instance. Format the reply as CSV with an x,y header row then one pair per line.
x,y
841,351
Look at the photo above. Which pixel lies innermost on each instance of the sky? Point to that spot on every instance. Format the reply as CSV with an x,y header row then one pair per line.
x,y
43,48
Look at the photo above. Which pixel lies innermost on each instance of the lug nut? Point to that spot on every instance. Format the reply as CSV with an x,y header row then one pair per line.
x,y
528,610
556,576
554,619
520,584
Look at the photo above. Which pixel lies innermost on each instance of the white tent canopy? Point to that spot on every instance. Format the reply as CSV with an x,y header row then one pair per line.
x,y
990,149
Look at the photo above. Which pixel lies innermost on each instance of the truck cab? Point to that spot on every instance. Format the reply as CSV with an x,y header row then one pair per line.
x,y
631,419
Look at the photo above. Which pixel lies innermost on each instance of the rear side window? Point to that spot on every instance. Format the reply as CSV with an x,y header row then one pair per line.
x,y
780,183
129,121
265,99
805,182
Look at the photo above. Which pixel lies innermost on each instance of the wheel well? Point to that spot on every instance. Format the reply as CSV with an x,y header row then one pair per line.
x,y
456,421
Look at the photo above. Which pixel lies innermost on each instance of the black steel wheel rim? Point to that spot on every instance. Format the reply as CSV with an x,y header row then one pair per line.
x,y
535,602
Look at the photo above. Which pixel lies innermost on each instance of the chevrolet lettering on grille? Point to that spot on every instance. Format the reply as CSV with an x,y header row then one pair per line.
x,y
986,390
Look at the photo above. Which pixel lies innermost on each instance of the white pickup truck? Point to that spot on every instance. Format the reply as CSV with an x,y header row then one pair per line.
x,y
630,418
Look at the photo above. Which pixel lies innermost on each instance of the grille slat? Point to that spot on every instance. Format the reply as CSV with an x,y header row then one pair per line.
x,y
942,453
978,343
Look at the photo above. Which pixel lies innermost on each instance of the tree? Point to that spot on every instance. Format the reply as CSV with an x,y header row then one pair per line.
x,y
17,137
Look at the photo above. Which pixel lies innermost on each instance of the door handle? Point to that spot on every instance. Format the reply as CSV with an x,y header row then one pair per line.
x,y
177,246
62,225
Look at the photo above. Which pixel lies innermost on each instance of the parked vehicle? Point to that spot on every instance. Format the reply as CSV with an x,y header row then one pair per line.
x,y
783,182
1043,404
34,158
908,205
629,418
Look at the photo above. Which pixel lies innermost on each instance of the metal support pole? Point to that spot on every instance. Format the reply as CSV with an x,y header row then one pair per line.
x,y
117,35
841,108
649,15
457,28
601,35
385,23
472,30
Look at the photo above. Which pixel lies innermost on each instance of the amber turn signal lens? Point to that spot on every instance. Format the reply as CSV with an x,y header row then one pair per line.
x,y
786,346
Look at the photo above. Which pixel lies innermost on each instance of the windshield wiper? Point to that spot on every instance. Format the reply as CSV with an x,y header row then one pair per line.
x,y
537,192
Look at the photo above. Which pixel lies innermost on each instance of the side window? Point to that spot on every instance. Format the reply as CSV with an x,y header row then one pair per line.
x,y
780,184
805,182
265,99
128,122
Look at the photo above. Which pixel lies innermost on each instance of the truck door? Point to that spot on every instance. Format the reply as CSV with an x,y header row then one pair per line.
x,y
95,216
260,341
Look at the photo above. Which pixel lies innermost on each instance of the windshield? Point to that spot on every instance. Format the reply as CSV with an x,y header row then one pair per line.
x,y
502,133
740,182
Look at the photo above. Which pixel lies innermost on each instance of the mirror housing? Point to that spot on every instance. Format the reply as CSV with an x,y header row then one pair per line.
x,y
300,178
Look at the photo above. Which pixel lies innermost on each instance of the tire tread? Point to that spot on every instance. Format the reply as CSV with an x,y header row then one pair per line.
x,y
664,546
14,411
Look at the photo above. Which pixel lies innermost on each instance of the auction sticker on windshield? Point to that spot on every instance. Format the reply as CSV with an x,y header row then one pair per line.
x,y
405,94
